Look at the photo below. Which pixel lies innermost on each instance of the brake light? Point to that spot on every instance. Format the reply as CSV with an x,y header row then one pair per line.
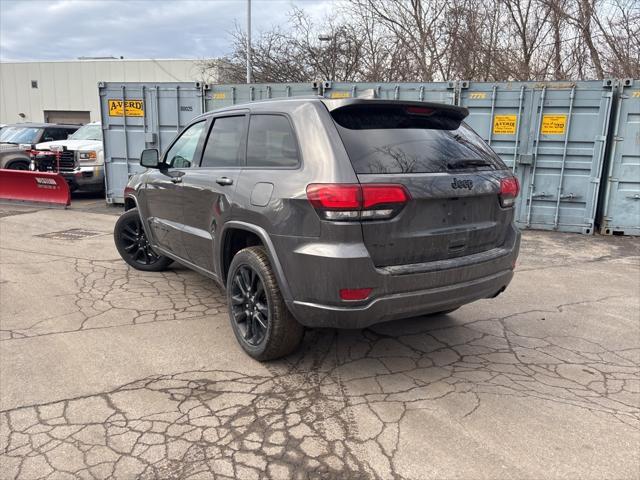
x,y
334,197
344,202
509,189
355,293
373,195
419,111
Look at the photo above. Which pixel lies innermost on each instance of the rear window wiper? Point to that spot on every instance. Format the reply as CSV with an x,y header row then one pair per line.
x,y
468,162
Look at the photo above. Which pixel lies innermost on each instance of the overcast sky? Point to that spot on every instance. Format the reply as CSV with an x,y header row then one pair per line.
x,y
67,29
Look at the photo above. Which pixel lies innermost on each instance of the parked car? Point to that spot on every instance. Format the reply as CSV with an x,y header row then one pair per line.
x,y
81,159
12,136
326,213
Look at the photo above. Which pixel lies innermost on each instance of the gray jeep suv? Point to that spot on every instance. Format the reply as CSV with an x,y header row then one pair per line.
x,y
326,213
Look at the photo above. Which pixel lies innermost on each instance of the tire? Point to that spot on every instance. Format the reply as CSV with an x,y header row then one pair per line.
x,y
260,319
19,165
133,247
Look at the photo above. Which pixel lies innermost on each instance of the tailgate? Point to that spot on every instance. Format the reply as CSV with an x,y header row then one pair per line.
x,y
452,176
440,221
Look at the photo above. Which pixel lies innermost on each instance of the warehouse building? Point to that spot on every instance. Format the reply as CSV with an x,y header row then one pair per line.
x,y
67,91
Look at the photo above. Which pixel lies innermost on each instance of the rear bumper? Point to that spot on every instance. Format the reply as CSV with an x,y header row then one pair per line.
x,y
401,305
316,271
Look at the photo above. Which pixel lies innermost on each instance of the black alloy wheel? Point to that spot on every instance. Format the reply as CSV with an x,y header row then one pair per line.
x,y
133,245
259,317
249,305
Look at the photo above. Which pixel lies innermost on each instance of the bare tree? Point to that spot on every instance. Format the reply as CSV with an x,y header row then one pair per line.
x,y
433,40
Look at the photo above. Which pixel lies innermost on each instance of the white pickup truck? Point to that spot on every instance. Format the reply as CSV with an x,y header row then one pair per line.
x,y
81,158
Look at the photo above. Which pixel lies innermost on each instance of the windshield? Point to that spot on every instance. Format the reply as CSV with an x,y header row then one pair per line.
x,y
88,132
19,135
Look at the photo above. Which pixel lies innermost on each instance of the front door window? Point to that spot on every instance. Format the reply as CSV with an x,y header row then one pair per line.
x,y
181,154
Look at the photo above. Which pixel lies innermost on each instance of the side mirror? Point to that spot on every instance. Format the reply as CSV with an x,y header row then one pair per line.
x,y
150,158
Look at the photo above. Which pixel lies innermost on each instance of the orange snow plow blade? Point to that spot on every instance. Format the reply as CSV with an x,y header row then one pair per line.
x,y
37,187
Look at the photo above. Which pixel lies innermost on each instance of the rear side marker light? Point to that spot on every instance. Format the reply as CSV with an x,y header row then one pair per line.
x,y
351,294
353,202
509,189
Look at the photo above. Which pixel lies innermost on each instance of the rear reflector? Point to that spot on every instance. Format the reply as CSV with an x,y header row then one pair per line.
x,y
352,201
355,293
509,189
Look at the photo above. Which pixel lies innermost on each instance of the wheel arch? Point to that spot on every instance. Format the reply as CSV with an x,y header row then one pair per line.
x,y
226,251
129,203
12,160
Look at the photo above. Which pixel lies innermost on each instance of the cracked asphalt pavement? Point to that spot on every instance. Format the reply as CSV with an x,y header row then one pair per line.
x,y
107,372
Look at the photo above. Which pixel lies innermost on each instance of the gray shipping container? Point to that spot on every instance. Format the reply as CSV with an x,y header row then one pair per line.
x,y
553,135
439,92
621,198
218,96
157,112
136,116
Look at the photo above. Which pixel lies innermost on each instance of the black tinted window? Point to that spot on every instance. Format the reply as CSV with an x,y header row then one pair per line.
x,y
271,142
57,133
402,139
224,145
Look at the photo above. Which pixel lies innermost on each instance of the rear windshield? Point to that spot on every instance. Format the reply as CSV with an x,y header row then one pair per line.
x,y
406,139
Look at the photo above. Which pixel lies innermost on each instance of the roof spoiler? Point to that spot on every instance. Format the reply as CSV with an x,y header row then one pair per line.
x,y
443,109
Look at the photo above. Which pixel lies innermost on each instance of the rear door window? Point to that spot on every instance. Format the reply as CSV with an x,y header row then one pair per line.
x,y
271,142
225,145
407,139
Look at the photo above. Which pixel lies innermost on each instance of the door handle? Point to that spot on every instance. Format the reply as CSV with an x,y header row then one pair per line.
x,y
224,181
176,179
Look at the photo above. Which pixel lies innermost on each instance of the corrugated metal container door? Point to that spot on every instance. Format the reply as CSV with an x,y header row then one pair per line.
x,y
621,199
440,92
553,136
218,96
567,136
136,116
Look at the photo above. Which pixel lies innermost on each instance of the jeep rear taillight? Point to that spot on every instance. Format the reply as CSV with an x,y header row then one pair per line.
x,y
509,189
352,201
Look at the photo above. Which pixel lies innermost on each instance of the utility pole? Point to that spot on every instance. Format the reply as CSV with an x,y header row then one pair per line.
x,y
326,38
248,41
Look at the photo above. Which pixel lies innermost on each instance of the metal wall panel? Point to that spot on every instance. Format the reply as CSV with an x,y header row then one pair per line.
x,y
218,96
553,135
439,92
71,85
621,198
167,109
